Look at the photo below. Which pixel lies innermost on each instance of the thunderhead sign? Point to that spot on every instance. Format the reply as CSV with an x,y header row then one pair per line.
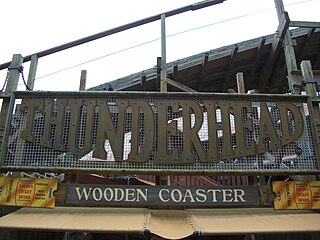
x,y
151,130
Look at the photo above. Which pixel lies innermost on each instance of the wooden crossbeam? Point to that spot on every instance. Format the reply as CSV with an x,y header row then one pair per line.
x,y
275,50
256,59
229,68
203,71
180,86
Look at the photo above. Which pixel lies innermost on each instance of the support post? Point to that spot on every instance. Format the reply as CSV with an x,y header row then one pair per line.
x,y
291,61
83,80
32,72
240,83
12,83
163,77
311,90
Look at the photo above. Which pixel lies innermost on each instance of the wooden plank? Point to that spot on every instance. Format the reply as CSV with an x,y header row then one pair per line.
x,y
304,44
174,72
143,82
307,74
12,84
290,56
274,53
304,24
203,71
163,81
32,72
240,83
180,86
256,60
83,80
229,68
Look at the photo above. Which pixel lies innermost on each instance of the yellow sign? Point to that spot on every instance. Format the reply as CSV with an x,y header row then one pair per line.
x,y
296,194
27,192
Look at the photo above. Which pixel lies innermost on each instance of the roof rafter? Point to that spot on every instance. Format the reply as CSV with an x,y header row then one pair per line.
x,y
256,59
203,72
276,46
230,66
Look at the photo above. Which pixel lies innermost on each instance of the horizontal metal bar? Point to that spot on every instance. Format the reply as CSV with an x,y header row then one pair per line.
x,y
96,36
167,172
304,24
101,94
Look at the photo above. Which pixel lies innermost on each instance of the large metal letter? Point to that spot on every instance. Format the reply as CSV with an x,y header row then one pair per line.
x,y
106,130
142,137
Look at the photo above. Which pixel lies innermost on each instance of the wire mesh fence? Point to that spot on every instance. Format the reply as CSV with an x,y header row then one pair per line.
x,y
165,133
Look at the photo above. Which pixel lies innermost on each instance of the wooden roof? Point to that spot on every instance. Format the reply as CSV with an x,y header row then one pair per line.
x,y
263,68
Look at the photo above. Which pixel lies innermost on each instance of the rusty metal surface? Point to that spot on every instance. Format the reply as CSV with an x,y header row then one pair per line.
x,y
160,133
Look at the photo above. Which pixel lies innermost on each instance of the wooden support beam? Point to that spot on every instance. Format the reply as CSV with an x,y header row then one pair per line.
x,y
32,72
163,77
174,72
274,53
180,86
307,74
304,24
304,44
256,60
311,90
143,81
297,77
290,56
240,83
12,83
203,72
83,80
229,68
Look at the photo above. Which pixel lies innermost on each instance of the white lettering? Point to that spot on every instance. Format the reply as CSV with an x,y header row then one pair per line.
x,y
144,195
161,196
94,194
214,194
240,195
119,194
130,193
105,194
227,193
188,194
201,193
173,197
83,192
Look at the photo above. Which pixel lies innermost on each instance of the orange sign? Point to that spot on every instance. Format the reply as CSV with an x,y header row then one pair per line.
x,y
296,194
27,192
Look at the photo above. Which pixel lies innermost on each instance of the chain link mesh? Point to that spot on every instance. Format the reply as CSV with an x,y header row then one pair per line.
x,y
297,156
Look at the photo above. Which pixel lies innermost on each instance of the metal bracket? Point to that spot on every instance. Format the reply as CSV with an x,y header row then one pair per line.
x,y
15,66
311,81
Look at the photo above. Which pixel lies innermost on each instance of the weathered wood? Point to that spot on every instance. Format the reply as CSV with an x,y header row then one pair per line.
x,y
307,74
180,86
163,81
304,24
256,60
203,71
230,66
311,90
240,83
83,80
32,72
291,61
12,84
297,77
274,53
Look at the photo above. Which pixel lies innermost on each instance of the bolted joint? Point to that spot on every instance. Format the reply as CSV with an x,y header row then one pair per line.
x,y
15,66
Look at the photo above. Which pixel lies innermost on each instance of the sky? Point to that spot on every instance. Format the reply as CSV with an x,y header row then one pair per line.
x,y
36,25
